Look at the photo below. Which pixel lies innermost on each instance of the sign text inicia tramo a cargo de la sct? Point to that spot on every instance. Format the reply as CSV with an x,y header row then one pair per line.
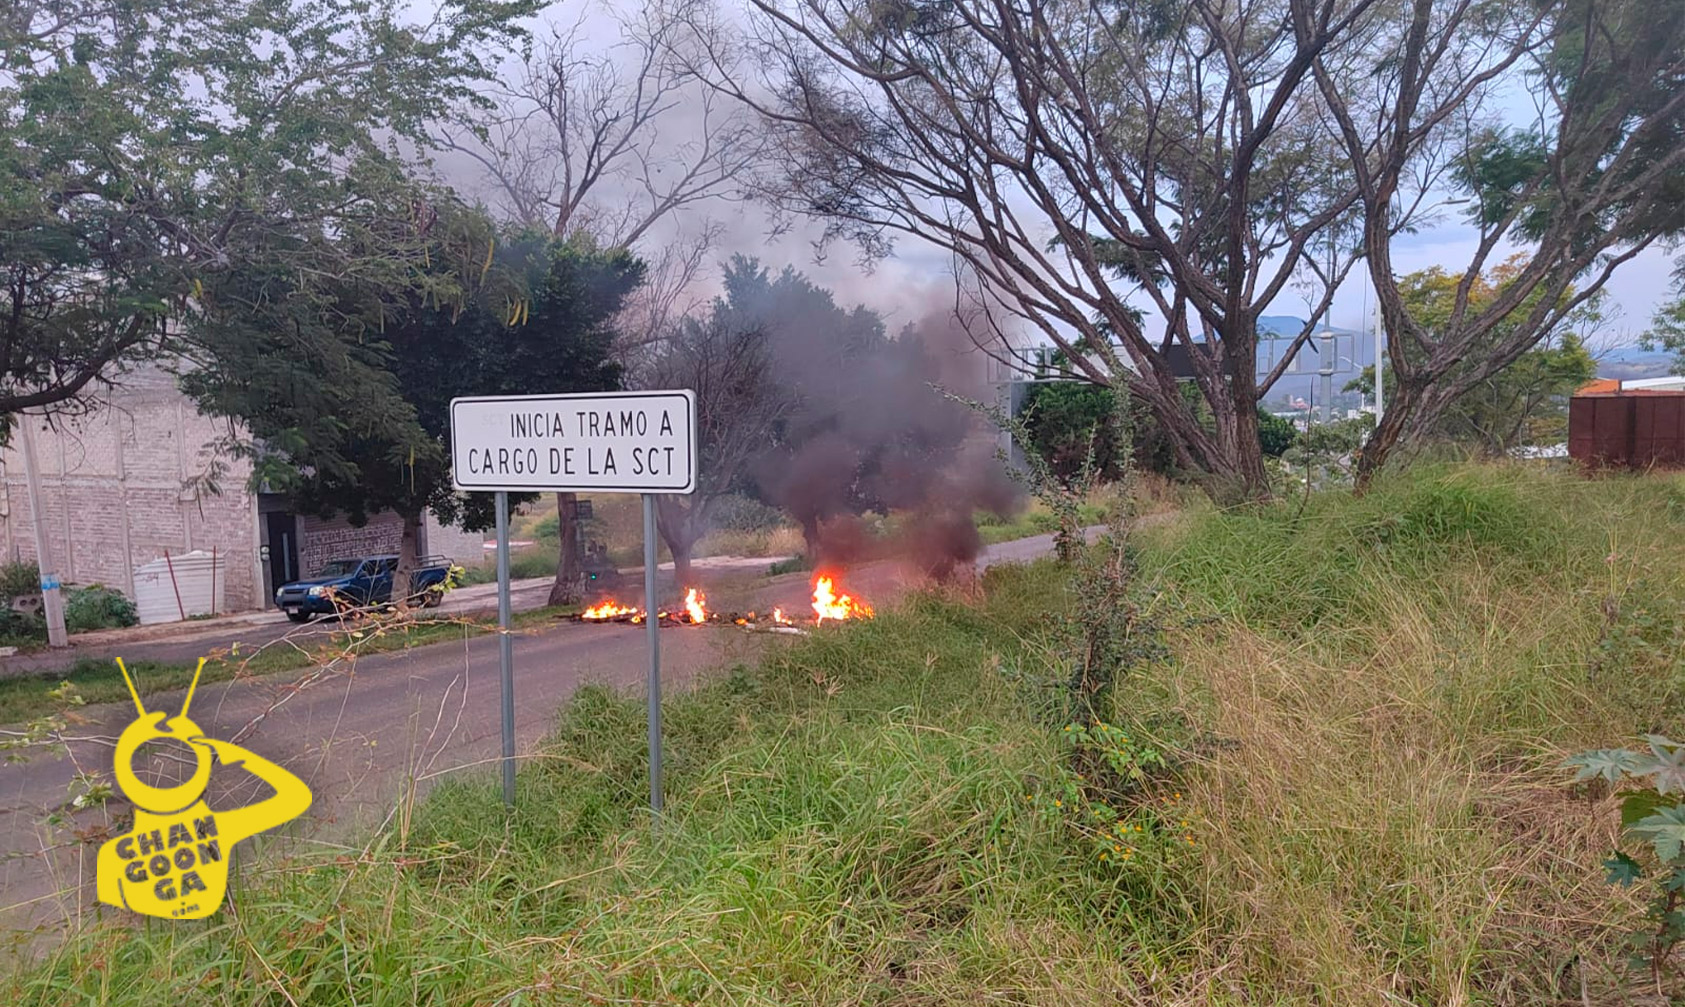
x,y
627,442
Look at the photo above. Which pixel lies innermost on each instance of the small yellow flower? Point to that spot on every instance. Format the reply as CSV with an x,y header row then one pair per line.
x,y
1102,856
1058,803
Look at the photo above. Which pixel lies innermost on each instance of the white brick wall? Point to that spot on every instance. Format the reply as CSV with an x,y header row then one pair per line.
x,y
466,548
113,490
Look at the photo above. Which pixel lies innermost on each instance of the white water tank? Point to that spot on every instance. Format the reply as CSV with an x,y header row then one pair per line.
x,y
199,577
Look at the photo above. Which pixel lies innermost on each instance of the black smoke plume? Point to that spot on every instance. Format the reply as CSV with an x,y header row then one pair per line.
x,y
870,429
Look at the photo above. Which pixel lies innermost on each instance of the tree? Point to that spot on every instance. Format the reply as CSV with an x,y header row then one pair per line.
x,y
354,418
1080,159
723,356
1065,420
544,326
1526,400
308,366
613,145
1584,186
1667,330
151,150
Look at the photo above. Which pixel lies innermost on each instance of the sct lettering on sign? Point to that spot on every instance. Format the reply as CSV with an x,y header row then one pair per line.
x,y
633,441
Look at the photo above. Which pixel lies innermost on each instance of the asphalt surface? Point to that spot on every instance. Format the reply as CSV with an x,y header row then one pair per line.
x,y
367,734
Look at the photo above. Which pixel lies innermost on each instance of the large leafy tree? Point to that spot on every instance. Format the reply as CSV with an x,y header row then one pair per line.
x,y
544,323
158,159
346,394
1526,401
307,367
1667,330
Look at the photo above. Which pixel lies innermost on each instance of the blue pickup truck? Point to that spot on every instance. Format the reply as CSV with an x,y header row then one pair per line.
x,y
358,583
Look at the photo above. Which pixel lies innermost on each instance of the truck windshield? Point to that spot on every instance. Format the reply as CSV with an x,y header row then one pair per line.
x,y
339,568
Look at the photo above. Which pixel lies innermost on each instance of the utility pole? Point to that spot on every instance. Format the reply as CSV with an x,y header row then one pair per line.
x,y
52,601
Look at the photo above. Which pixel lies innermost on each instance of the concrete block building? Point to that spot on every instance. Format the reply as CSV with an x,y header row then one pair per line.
x,y
140,474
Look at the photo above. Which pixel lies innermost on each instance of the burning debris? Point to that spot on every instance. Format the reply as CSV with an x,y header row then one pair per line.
x,y
828,604
608,611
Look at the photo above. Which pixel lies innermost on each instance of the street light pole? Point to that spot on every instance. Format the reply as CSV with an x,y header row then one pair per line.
x,y
1327,375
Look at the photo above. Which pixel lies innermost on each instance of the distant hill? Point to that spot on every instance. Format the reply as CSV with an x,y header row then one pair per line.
x,y
1629,362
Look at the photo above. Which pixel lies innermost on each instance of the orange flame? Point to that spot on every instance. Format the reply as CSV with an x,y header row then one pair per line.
x,y
693,606
778,617
607,610
827,604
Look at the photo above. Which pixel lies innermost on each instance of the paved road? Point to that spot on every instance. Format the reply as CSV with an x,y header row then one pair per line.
x,y
182,643
363,730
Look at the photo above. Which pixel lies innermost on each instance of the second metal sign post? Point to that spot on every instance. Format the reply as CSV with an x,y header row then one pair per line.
x,y
613,442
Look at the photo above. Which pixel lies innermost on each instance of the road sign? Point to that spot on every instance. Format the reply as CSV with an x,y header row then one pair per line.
x,y
625,442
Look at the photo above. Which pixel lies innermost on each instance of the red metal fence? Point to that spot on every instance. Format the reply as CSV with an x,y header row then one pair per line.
x,y
1632,429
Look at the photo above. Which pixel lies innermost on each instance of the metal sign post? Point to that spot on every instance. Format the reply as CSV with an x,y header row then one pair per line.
x,y
613,442
652,619
505,649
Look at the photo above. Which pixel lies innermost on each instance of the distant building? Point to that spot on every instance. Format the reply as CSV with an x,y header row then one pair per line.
x,y
124,483
1635,423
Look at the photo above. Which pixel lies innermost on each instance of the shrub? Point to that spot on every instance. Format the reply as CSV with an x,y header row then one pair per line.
x,y
19,579
735,512
1654,816
98,607
791,565
21,628
547,529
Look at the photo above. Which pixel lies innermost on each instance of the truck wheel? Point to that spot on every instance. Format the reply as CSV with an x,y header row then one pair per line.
x,y
433,599
299,616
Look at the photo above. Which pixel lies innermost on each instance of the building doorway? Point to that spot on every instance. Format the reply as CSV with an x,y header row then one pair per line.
x,y
280,536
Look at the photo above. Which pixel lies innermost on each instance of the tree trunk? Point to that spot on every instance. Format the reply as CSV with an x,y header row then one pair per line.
x,y
1229,462
408,559
1402,401
1253,480
810,536
681,566
570,565
675,523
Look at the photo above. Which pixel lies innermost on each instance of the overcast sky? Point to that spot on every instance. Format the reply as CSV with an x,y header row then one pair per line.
x,y
918,276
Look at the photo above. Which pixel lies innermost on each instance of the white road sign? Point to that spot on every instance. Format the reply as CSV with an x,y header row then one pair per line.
x,y
626,442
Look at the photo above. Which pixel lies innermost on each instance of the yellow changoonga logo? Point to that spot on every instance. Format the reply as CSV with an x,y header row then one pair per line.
x,y
174,863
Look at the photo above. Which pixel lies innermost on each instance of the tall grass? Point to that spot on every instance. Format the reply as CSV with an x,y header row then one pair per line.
x,y
847,822
1368,702
1390,684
